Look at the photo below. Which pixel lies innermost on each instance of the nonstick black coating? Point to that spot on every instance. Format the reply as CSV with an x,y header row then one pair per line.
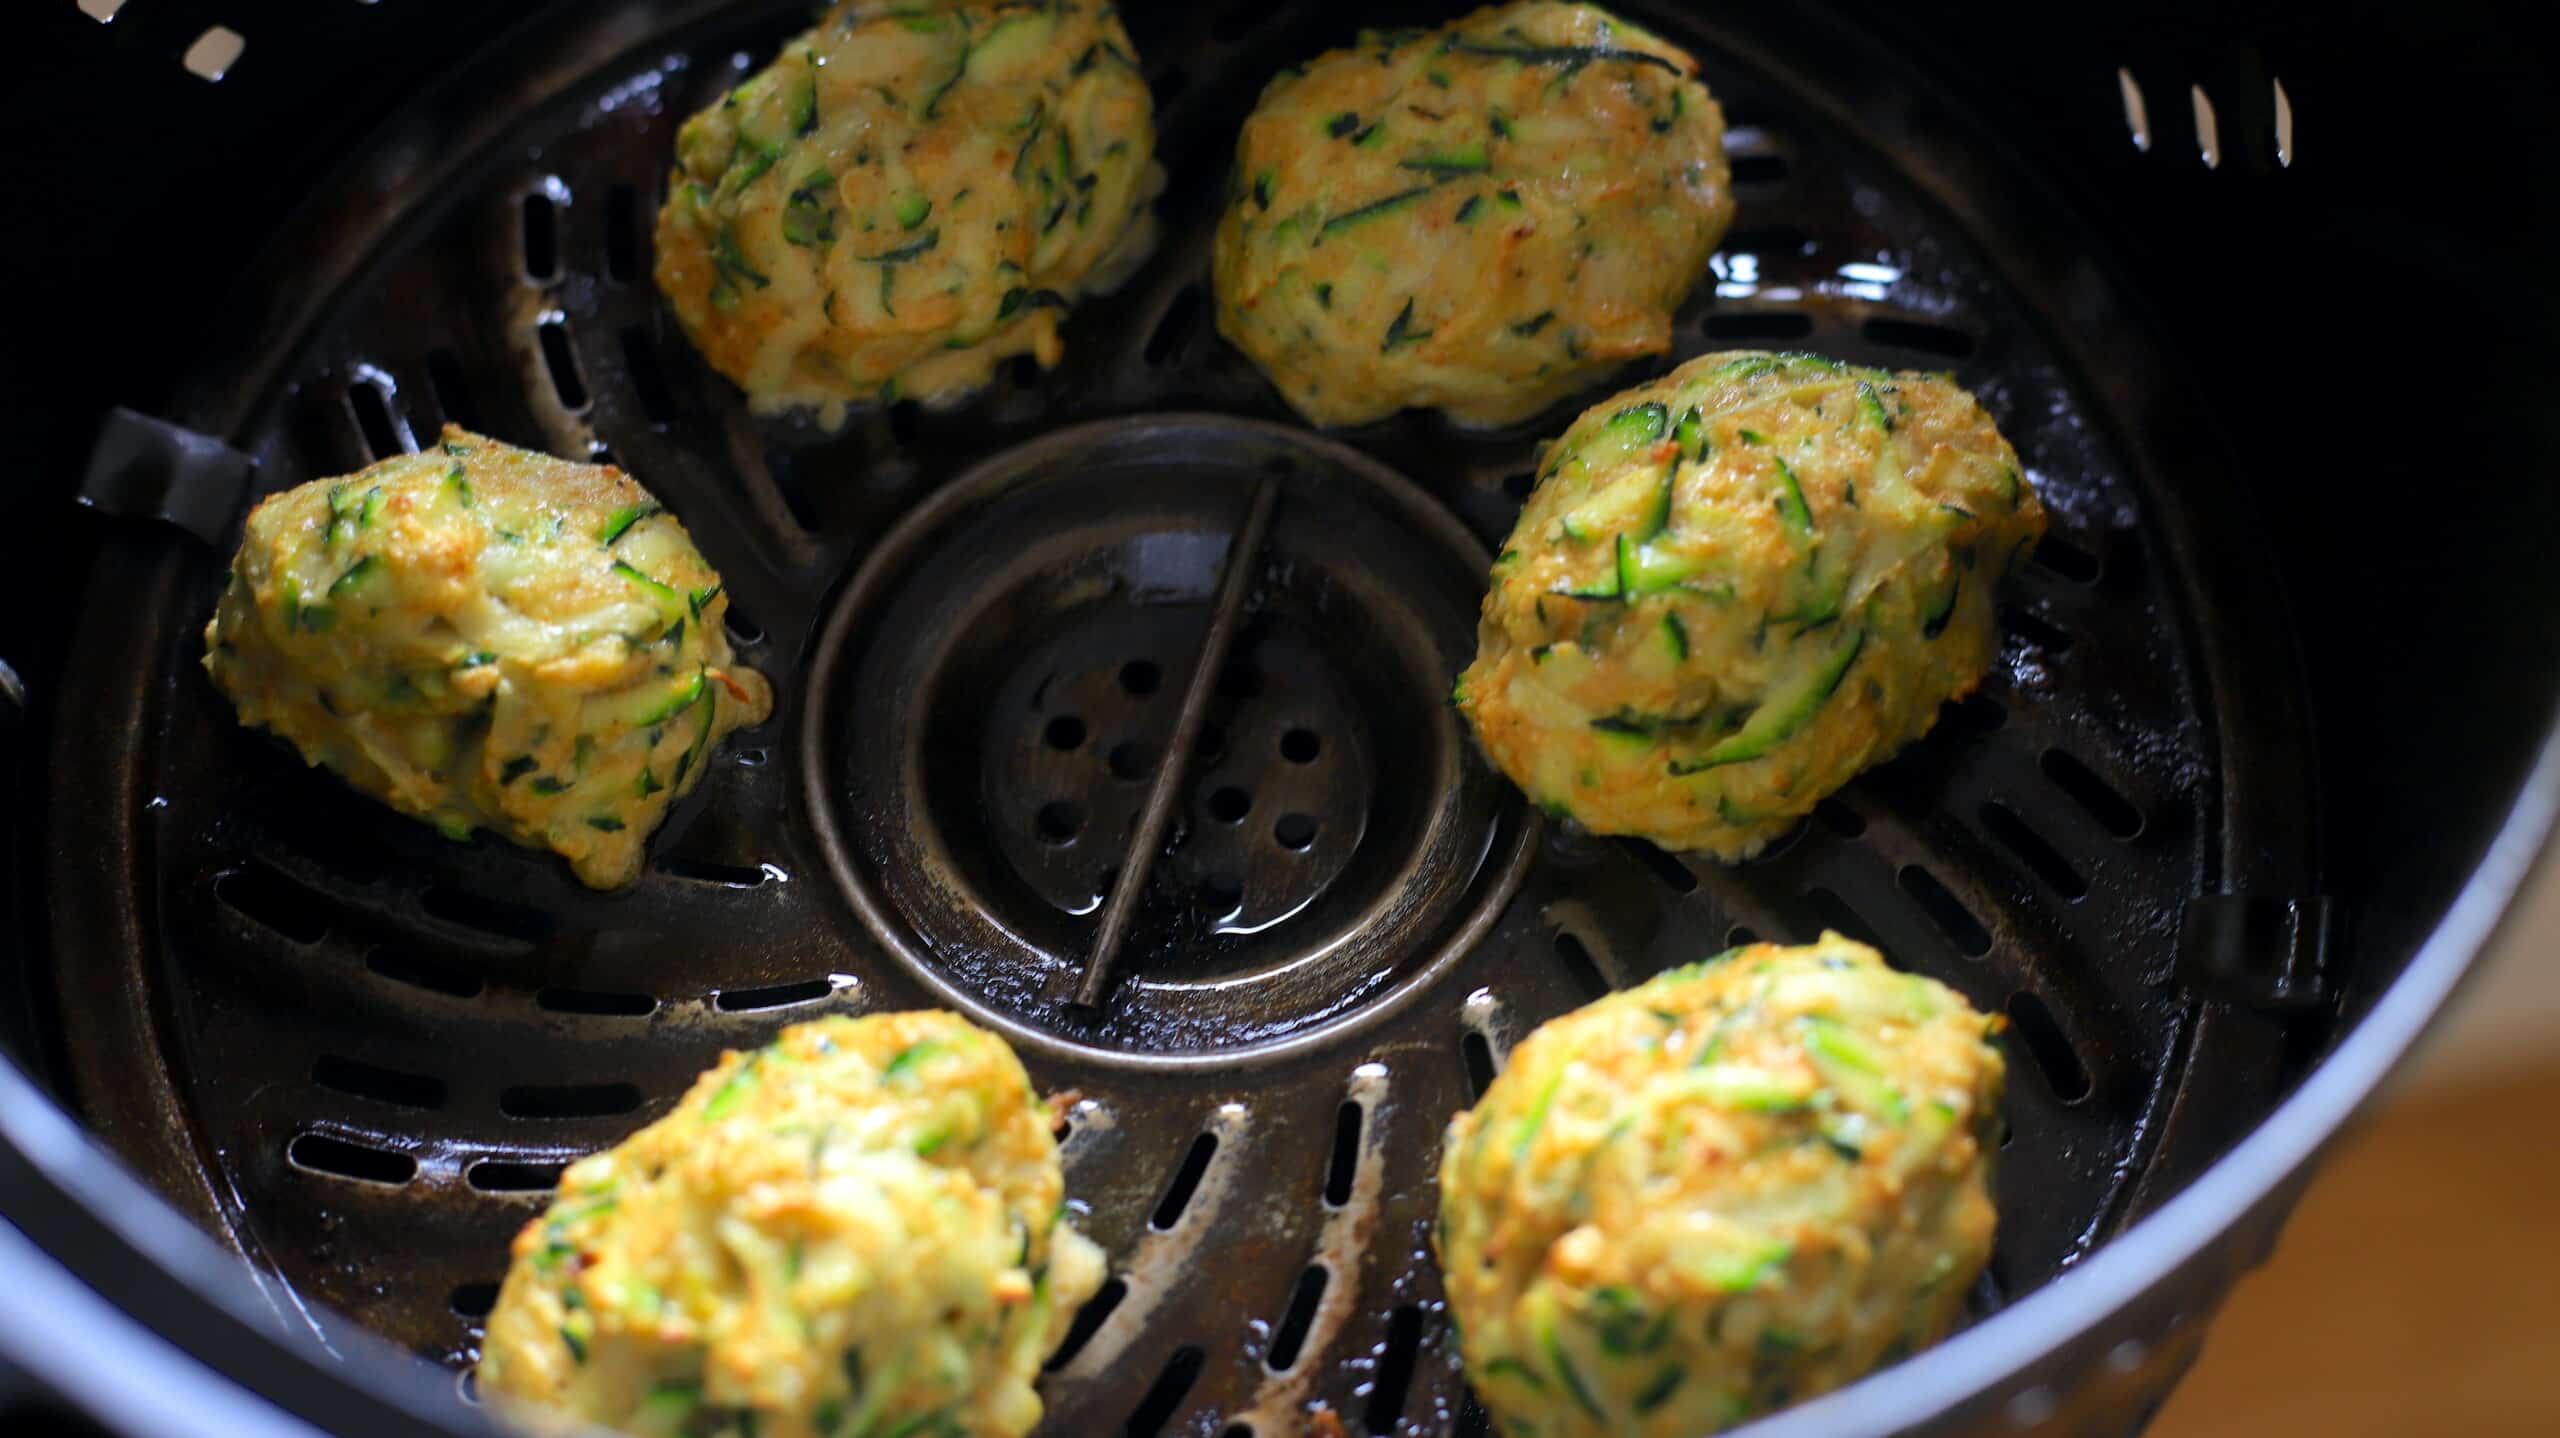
x,y
263,950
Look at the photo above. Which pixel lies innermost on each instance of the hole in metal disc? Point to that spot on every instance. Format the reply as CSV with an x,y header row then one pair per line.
x,y
1132,759
381,429
1944,341
1186,1181
2208,128
1300,746
648,375
2067,559
1180,318
490,916
1058,821
1229,804
2112,810
561,363
1294,831
1347,1123
1157,1408
2044,1039
1395,1369
214,53
1946,910
2035,628
499,1175
541,238
774,996
1666,867
733,876
269,899
1477,1051
354,853
1141,676
1759,325
452,388
2137,113
382,1085
2047,861
1830,911
1089,1321
1759,169
1579,963
1064,732
1299,1317
473,1300
595,1100
401,966
1840,819
320,1153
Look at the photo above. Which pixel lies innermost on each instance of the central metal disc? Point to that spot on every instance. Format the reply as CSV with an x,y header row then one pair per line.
x,y
997,687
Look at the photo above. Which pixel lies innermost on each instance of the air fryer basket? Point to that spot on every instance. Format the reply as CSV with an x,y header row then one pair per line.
x,y
358,1056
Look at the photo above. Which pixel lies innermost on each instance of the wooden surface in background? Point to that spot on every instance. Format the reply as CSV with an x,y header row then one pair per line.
x,y
2416,1291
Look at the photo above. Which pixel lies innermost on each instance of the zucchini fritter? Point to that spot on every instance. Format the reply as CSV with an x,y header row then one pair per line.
x,y
1739,585
1743,1183
859,1229
907,195
485,637
1482,218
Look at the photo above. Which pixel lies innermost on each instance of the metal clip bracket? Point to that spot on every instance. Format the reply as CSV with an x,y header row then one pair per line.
x,y
2261,952
146,468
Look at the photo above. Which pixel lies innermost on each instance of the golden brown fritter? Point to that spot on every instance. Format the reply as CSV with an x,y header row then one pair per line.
x,y
907,195
1481,219
485,637
859,1229
1739,585
1743,1183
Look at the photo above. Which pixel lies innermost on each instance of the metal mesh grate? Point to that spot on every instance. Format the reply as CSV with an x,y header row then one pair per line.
x,y
364,1054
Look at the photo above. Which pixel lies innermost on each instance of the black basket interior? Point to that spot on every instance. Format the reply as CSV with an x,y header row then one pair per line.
x,y
2276,352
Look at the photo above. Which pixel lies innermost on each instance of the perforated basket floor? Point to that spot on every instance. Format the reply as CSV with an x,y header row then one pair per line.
x,y
363,1054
